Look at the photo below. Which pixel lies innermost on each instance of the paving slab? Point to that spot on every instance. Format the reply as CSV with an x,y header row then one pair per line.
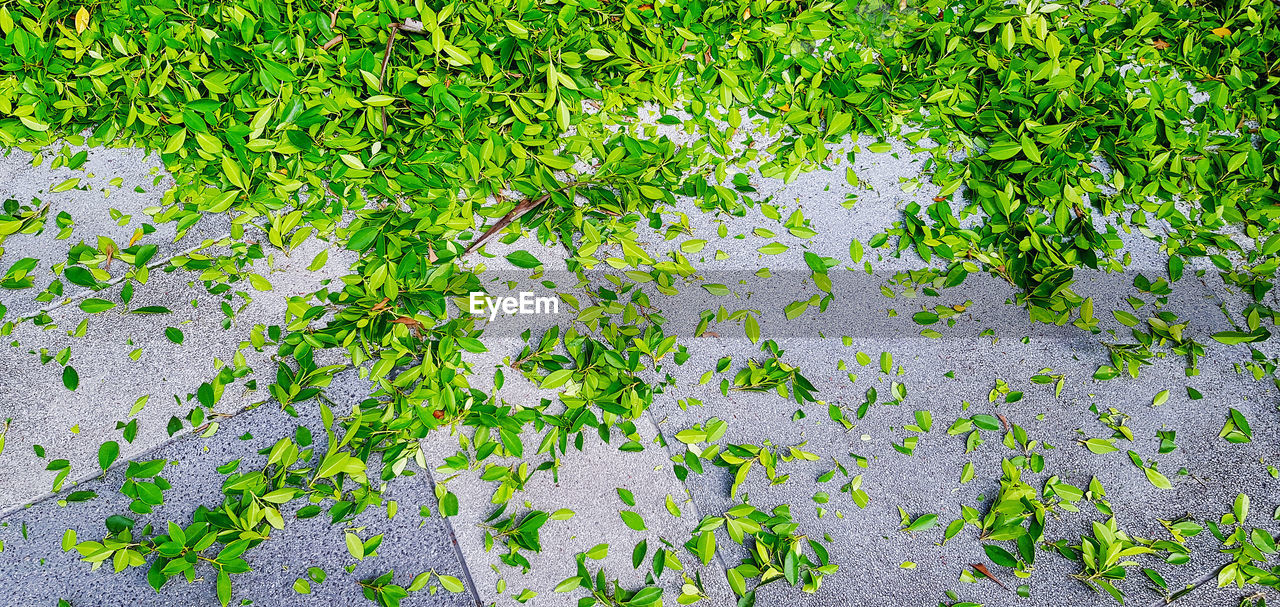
x,y
587,483
72,424
35,571
116,188
866,542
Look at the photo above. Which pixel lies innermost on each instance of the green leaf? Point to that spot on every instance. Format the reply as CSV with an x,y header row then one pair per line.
x,y
224,588
1241,423
555,379
752,328
632,520
638,553
70,378
523,259
1241,507
999,555
450,583
925,318
569,584
1157,479
379,100
1004,150
94,305
362,238
706,546
355,546
334,463
556,162
319,261
672,508
986,421
924,522
1125,318
1100,445
1232,338
791,567
855,250
66,185
716,289
1263,540
258,282
419,582
1105,372
107,454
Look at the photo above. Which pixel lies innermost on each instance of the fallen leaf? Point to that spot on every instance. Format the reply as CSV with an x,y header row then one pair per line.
x,y
412,323
983,570
1160,45
82,20
1221,31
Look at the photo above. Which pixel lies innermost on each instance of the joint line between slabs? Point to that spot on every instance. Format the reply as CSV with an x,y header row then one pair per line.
x,y
696,510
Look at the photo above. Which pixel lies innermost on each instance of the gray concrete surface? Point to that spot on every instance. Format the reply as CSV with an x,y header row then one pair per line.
x,y
142,184
865,543
35,571
70,425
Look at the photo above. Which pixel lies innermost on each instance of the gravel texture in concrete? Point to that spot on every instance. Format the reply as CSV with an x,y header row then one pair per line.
x,y
950,376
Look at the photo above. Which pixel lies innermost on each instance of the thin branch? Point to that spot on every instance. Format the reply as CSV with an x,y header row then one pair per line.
x,y
524,207
386,59
411,26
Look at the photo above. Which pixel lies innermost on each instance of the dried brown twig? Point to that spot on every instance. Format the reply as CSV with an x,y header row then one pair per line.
x,y
524,207
411,26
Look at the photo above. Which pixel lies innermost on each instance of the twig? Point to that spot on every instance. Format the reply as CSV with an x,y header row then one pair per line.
x,y
524,207
332,42
386,58
411,26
